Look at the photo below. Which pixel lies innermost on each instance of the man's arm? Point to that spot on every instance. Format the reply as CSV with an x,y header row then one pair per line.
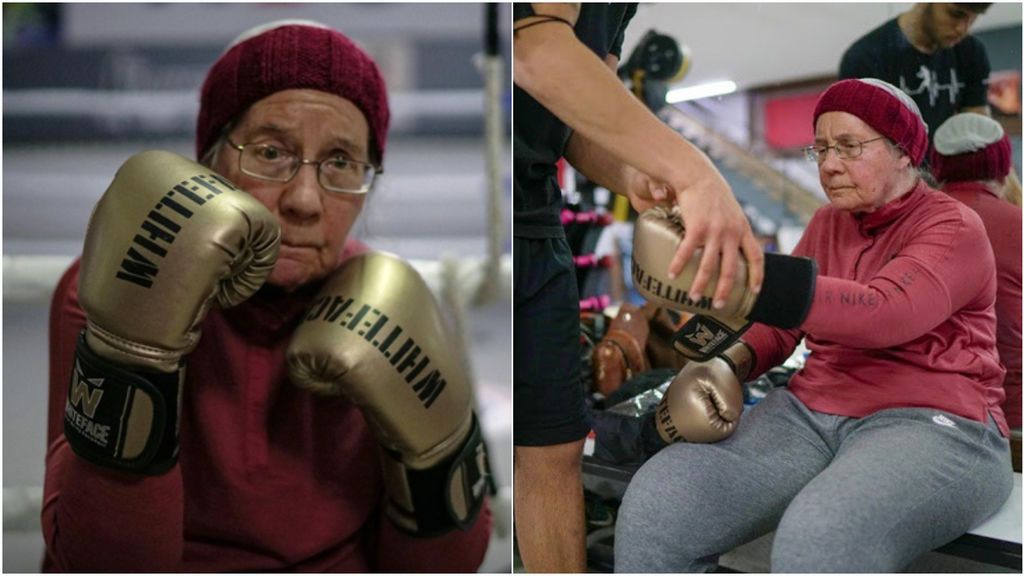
x,y
580,89
600,166
976,70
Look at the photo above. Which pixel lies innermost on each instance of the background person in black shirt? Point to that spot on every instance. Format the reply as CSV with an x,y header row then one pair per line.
x,y
928,53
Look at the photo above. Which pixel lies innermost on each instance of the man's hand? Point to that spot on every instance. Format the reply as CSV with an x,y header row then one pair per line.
x,y
714,220
784,301
645,192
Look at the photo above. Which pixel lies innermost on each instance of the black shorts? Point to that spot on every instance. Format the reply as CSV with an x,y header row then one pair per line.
x,y
547,389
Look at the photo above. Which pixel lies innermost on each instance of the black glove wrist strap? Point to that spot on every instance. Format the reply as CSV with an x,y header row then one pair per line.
x,y
119,418
449,495
704,337
787,292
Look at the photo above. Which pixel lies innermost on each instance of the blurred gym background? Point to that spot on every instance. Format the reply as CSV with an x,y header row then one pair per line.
x,y
87,85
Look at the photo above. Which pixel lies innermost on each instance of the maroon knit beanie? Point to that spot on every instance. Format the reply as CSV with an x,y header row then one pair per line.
x,y
883,107
970,146
286,55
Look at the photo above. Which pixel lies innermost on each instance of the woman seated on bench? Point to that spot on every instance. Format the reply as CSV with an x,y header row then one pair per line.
x,y
891,440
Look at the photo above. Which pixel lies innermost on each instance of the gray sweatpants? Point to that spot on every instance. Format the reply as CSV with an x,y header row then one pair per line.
x,y
843,494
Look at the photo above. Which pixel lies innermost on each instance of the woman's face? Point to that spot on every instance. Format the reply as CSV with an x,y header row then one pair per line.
x,y
864,183
314,222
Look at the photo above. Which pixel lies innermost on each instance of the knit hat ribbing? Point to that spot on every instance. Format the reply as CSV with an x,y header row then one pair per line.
x,y
285,55
882,106
970,146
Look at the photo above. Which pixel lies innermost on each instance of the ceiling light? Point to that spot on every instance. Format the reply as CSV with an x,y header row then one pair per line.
x,y
700,91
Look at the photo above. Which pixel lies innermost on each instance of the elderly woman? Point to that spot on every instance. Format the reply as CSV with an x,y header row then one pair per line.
x,y
261,475
971,159
890,441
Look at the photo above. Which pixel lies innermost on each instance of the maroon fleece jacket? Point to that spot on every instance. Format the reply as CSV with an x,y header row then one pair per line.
x,y
903,312
270,478
1003,225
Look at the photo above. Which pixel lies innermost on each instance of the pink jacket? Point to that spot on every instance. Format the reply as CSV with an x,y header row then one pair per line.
x,y
903,313
1003,224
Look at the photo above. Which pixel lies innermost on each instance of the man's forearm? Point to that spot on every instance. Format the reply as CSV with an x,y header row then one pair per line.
x,y
570,81
597,164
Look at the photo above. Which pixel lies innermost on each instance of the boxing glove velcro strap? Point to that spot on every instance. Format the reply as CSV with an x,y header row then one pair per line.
x,y
702,337
122,419
448,495
787,291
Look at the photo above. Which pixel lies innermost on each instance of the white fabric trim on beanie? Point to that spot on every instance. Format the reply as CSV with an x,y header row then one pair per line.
x,y
261,28
966,132
900,95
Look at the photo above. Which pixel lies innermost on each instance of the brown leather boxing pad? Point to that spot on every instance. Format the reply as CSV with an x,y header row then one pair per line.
x,y
621,354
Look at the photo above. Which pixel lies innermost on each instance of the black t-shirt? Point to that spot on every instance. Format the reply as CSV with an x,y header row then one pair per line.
x,y
941,83
539,138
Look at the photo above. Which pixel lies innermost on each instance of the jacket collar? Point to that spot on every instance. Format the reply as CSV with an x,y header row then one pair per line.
x,y
874,222
968,187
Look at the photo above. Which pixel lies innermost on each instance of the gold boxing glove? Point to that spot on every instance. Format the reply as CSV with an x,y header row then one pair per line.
x,y
784,301
375,335
166,239
705,400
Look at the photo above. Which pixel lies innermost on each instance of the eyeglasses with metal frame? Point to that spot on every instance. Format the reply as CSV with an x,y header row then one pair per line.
x,y
336,173
845,150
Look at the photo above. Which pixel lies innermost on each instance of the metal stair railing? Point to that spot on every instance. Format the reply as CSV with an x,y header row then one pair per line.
x,y
797,198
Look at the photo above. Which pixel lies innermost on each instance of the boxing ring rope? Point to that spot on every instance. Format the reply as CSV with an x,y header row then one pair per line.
x,y
494,138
